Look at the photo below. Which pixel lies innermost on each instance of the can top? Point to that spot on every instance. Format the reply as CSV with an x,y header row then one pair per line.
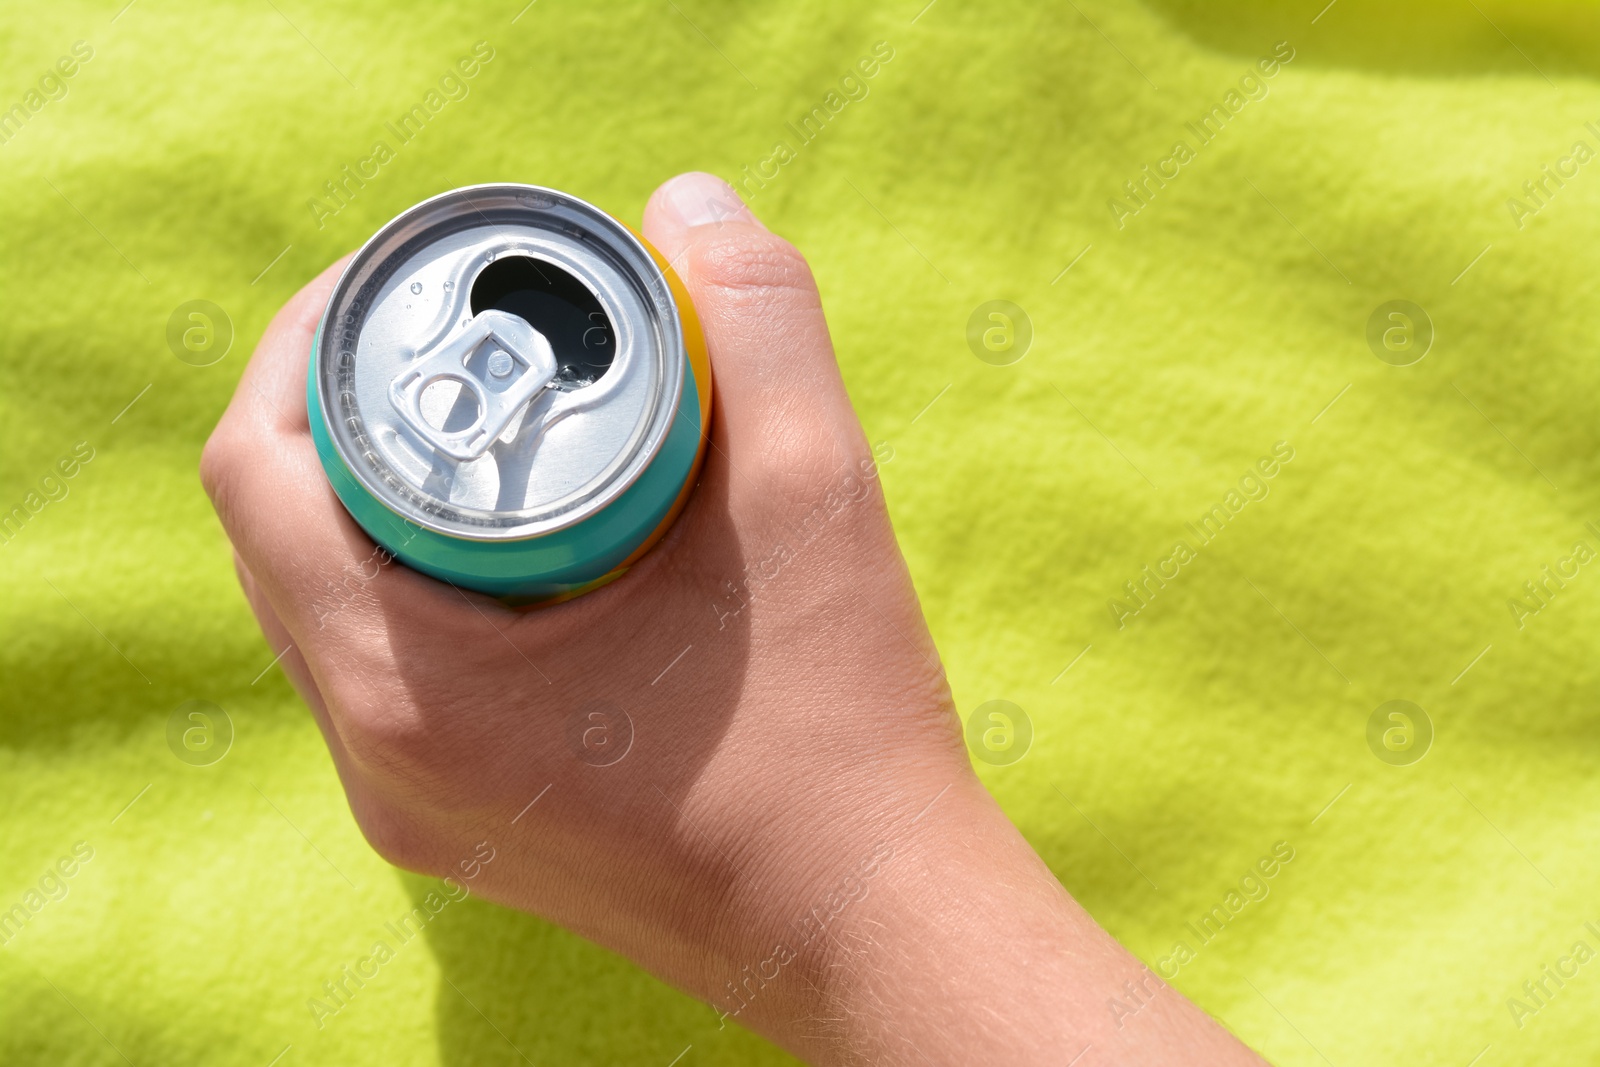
x,y
500,362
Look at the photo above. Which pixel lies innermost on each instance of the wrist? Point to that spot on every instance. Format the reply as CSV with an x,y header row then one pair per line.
x,y
821,937
939,933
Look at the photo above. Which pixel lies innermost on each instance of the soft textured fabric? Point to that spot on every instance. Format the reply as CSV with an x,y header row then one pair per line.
x,y
1188,732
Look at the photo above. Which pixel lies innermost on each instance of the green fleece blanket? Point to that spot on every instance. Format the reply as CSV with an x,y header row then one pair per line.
x,y
1234,371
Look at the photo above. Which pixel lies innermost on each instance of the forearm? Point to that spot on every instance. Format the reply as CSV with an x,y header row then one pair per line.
x,y
962,947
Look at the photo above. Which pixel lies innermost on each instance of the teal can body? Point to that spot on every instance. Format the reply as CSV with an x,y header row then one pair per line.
x,y
509,392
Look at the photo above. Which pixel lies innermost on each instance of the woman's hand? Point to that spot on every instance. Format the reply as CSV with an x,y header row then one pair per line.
x,y
739,765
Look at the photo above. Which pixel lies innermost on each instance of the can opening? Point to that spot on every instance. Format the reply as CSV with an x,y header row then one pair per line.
x,y
558,306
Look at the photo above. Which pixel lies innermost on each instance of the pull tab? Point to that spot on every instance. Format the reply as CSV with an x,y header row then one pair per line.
x,y
497,358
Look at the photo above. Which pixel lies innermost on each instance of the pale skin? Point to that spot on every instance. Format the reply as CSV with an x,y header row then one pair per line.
x,y
796,835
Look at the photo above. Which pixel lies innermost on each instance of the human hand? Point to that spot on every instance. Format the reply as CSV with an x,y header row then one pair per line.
x,y
774,809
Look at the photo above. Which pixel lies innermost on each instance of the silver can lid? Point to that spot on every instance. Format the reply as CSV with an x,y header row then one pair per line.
x,y
500,362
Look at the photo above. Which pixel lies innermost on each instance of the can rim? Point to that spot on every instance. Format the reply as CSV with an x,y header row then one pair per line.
x,y
624,243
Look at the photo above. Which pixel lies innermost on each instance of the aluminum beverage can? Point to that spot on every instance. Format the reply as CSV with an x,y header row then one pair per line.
x,y
509,391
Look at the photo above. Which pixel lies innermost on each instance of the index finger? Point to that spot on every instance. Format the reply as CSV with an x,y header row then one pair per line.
x,y
267,483
274,381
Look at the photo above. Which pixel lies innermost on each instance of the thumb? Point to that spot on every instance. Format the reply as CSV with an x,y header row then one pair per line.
x,y
781,403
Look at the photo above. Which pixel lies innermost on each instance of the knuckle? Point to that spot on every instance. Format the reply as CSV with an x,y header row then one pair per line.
x,y
794,450
808,457
403,755
862,514
393,837
217,466
214,461
753,262
833,517
847,512
394,749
